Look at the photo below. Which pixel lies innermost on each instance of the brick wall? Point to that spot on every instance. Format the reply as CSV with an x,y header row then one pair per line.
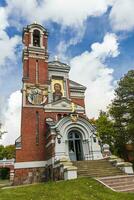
x,y
31,151
29,71
78,101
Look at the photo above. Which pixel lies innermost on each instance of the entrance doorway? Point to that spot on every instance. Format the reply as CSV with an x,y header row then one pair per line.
x,y
75,145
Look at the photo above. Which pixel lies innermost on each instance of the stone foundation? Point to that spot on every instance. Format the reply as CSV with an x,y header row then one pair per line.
x,y
29,175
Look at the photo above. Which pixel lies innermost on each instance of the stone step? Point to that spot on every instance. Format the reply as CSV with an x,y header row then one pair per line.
x,y
89,162
99,170
91,166
95,175
119,183
123,186
118,179
127,189
101,174
95,172
96,168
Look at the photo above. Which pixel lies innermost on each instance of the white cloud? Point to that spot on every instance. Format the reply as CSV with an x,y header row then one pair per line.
x,y
74,12
90,69
67,12
63,46
109,47
8,47
3,18
7,44
11,121
8,57
122,15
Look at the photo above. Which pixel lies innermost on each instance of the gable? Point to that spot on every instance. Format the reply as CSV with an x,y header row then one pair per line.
x,y
76,85
62,105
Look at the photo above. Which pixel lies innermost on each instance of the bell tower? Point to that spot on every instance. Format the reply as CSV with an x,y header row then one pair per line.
x,y
35,56
30,146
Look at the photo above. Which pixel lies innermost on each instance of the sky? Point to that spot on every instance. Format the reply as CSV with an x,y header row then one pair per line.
x,y
95,37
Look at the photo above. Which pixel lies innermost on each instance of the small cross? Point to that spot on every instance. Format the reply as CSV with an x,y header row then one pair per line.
x,y
56,58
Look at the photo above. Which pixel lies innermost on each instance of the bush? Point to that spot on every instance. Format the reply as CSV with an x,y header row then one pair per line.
x,y
4,173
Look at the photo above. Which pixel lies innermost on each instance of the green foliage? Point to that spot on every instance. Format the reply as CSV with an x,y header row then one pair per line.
x,y
1,152
105,129
7,152
122,112
4,173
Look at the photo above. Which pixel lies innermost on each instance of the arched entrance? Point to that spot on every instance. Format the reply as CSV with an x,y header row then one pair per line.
x,y
7,169
75,145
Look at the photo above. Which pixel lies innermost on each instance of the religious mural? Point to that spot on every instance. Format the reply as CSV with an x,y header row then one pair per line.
x,y
57,89
37,96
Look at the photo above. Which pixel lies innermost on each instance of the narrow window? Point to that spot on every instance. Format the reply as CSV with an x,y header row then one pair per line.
x,y
37,71
36,38
37,127
27,70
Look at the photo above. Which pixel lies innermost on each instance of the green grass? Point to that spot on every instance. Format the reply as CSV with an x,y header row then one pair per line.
x,y
4,182
80,189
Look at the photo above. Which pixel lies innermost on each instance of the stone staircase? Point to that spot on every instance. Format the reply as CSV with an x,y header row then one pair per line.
x,y
119,183
96,168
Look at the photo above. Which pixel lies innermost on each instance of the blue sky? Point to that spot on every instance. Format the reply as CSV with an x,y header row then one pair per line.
x,y
96,38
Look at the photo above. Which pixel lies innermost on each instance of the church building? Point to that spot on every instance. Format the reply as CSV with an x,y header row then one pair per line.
x,y
54,126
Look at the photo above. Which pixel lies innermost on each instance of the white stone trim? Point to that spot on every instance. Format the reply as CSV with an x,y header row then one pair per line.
x,y
41,36
32,164
51,161
62,110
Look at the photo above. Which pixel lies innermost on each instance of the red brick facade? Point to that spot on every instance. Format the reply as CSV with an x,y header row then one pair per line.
x,y
30,150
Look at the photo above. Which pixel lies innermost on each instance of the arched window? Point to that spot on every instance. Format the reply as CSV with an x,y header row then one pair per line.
x,y
36,38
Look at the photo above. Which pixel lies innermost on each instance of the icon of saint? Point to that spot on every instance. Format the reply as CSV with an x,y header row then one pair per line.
x,y
57,94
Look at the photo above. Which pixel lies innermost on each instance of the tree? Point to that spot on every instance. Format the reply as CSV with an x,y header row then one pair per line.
x,y
105,129
7,152
1,152
122,112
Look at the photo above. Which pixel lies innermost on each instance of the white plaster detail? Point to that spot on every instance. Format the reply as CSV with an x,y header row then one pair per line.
x,y
63,105
91,149
70,174
32,164
125,167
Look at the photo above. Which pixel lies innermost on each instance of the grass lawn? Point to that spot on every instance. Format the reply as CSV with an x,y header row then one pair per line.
x,y
4,182
80,189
